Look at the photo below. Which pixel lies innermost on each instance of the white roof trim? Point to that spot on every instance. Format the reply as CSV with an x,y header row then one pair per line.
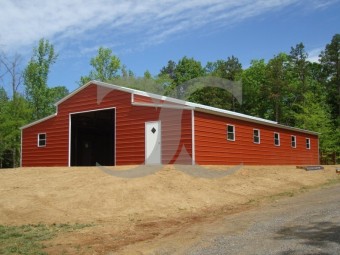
x,y
169,106
195,106
129,90
229,113
39,121
165,98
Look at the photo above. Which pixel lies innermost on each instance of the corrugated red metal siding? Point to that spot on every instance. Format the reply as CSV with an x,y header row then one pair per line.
x,y
130,129
143,99
213,148
55,152
176,136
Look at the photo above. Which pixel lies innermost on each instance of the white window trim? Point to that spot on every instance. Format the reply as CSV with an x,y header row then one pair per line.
x,y
259,135
278,138
234,132
308,145
38,140
291,141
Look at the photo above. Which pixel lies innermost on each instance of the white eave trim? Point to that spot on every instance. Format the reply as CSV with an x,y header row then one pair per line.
x,y
236,115
181,104
124,89
170,106
39,121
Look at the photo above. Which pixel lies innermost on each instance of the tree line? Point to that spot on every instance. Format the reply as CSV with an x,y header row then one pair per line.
x,y
287,88
19,107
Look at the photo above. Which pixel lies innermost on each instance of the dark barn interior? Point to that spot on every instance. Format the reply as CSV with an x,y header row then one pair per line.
x,y
93,138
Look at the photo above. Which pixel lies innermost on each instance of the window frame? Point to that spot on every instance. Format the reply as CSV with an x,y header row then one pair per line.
x,y
293,137
258,136
233,133
278,139
40,139
308,144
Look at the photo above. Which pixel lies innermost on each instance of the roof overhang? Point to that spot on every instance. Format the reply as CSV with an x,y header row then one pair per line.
x,y
179,104
39,121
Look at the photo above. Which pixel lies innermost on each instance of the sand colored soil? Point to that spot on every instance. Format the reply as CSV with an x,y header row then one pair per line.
x,y
131,210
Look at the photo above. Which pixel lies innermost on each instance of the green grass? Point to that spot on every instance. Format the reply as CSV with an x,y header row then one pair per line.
x,y
330,182
333,181
28,239
283,194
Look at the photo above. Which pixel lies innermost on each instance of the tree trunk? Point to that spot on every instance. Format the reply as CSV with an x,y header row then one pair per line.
x,y
277,111
334,158
14,157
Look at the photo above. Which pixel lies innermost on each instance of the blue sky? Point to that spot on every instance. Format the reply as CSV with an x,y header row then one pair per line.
x,y
146,34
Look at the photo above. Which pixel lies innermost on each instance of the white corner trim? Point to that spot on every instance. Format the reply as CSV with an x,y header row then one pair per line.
x,y
193,154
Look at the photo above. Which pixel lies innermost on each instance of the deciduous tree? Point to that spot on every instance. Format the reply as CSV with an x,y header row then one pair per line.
x,y
330,60
105,67
36,77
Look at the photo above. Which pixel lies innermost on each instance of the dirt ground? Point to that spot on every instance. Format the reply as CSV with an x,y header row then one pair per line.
x,y
137,211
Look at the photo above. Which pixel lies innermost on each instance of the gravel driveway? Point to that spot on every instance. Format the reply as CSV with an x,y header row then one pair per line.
x,y
305,224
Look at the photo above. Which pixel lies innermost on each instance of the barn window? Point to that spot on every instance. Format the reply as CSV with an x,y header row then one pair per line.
x,y
256,136
293,137
41,140
277,139
307,143
231,132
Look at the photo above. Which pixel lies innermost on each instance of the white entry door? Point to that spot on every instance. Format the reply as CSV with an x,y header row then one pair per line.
x,y
153,142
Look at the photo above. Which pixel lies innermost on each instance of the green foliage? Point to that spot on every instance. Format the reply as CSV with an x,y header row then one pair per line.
x,y
277,86
36,76
28,239
147,74
330,60
105,67
288,88
184,71
187,69
55,94
253,82
37,103
315,115
150,85
213,96
169,70
230,69
13,115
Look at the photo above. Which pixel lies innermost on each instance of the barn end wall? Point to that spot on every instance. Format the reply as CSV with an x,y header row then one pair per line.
x,y
130,130
213,148
55,151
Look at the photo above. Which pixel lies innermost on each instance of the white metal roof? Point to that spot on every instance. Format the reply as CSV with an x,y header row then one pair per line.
x,y
195,106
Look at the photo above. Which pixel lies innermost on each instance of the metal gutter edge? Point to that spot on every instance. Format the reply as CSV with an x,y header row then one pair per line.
x,y
38,121
170,106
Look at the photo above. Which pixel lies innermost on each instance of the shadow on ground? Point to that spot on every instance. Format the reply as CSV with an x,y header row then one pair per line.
x,y
317,234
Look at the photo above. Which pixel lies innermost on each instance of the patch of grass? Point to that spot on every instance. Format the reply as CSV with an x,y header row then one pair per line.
x,y
332,181
281,195
252,202
28,239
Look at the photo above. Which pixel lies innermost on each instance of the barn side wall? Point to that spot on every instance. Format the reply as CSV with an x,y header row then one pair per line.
x,y
213,148
55,153
130,130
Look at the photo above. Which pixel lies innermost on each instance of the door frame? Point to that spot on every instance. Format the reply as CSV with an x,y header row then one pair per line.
x,y
160,142
70,128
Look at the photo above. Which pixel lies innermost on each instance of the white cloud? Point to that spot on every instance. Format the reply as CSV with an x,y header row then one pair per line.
x,y
24,22
313,55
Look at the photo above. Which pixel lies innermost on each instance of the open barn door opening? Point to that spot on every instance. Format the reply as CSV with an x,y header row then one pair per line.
x,y
93,138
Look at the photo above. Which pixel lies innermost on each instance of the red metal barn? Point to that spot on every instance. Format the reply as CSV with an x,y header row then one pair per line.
x,y
111,125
